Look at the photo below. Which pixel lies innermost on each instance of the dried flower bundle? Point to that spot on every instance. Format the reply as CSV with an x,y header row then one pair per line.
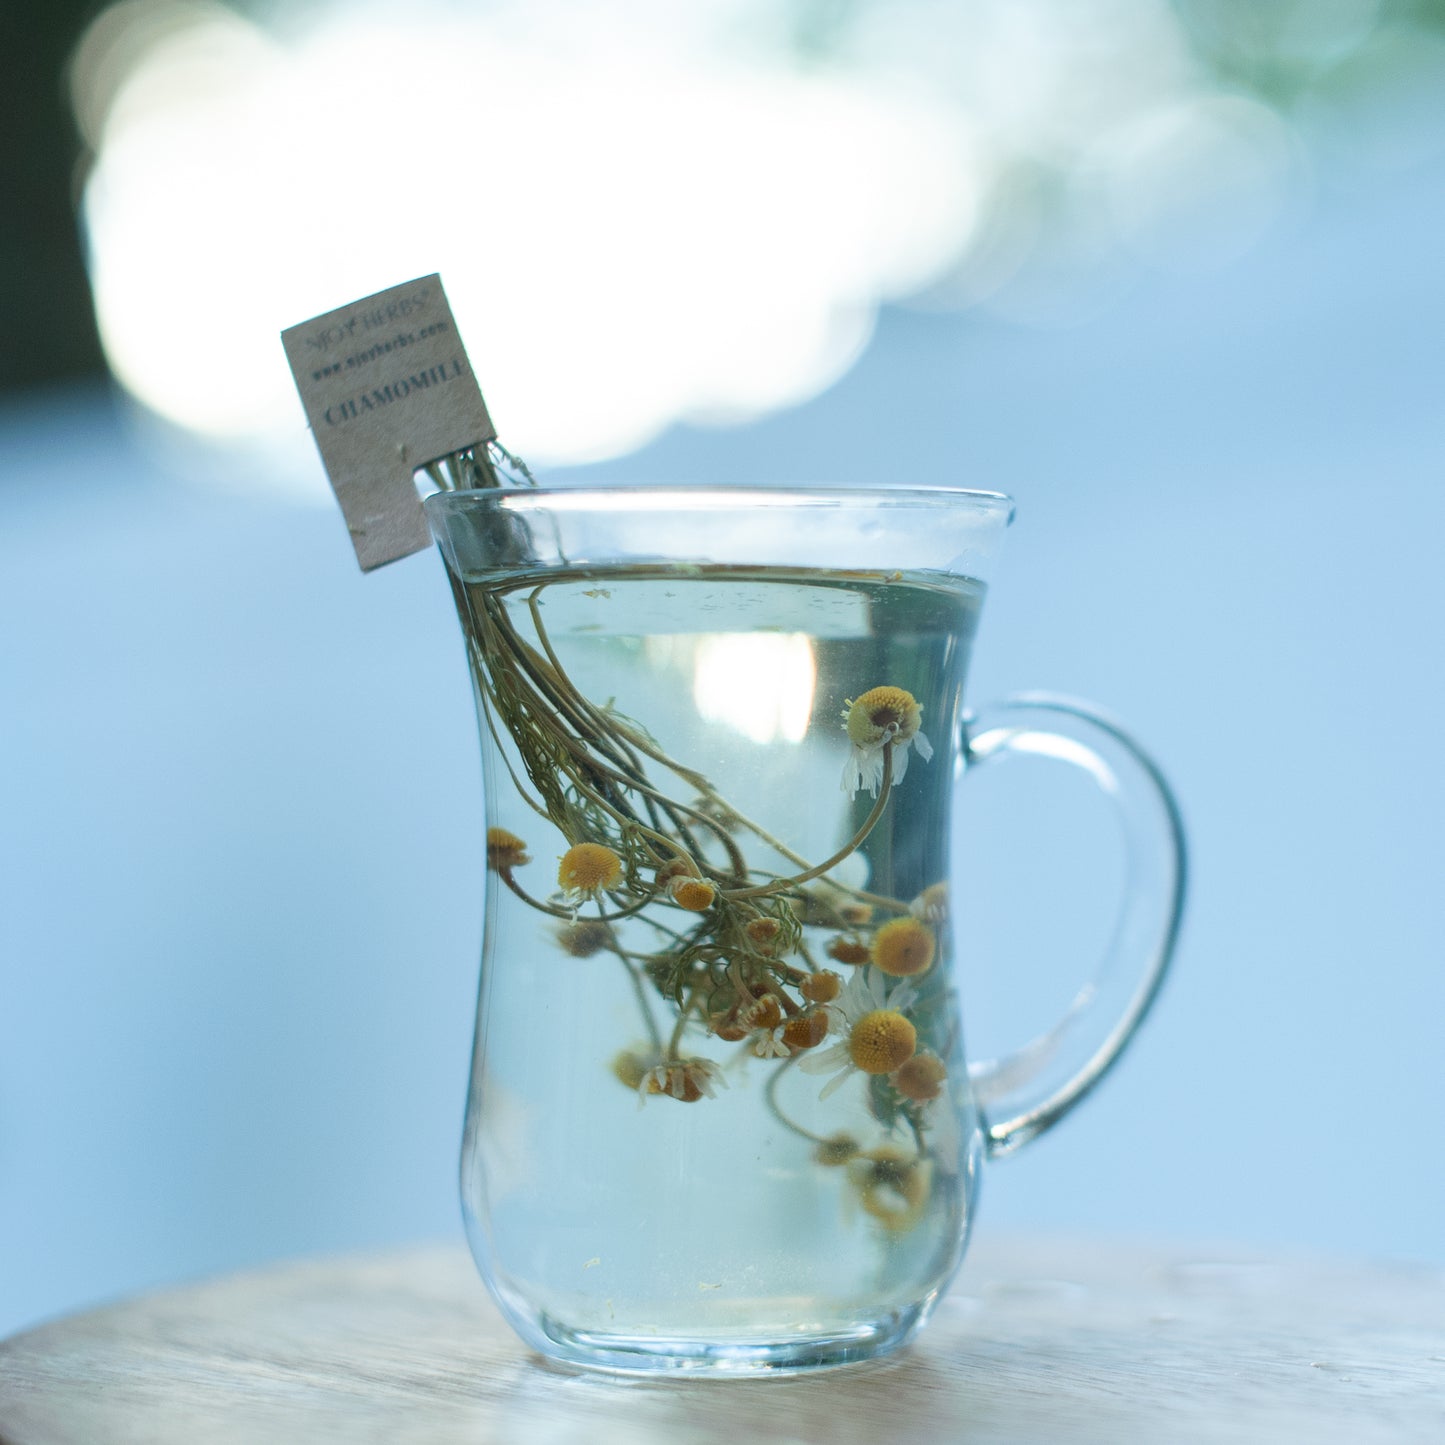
x,y
715,947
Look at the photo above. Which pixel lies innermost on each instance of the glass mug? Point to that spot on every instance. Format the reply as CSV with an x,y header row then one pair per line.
x,y
721,1118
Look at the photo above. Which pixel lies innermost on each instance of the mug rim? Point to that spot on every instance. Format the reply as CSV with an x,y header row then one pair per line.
x,y
708,496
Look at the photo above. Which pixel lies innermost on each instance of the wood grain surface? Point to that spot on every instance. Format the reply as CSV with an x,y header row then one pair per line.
x,y
1040,1341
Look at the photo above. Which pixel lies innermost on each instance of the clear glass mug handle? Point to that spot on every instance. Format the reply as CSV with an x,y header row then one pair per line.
x,y
1028,1091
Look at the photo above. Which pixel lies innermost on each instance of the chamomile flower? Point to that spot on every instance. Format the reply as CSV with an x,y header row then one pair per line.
x,y
866,991
588,868
931,905
584,939
630,1067
893,1187
763,933
769,1044
694,894
903,947
763,1021
921,1079
766,1013
676,868
847,950
837,1150
686,1080
728,1027
505,850
805,1030
877,1039
821,987
882,717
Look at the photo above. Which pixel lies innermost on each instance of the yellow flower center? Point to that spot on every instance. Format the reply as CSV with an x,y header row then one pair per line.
x,y
629,1067
728,1028
838,1149
881,1041
881,713
584,939
892,1187
686,1080
806,1031
847,950
821,987
762,931
680,1086
767,1013
903,947
921,1078
692,893
505,850
588,868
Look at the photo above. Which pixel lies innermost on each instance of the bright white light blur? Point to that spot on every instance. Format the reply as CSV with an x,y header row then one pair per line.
x,y
649,212
759,683
630,233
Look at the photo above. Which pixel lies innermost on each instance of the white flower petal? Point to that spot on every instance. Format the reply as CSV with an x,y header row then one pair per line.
x,y
820,1061
769,1045
855,1000
870,766
903,997
925,748
876,987
834,1084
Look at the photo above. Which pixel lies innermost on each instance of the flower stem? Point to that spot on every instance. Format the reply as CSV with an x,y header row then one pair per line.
x,y
653,1034
770,1097
852,846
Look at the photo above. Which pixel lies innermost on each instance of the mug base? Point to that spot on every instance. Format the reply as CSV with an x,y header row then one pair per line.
x,y
654,1355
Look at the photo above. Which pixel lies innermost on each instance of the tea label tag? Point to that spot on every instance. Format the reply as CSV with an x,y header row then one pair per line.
x,y
387,387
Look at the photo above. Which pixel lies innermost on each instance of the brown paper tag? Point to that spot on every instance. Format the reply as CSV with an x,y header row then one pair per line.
x,y
387,387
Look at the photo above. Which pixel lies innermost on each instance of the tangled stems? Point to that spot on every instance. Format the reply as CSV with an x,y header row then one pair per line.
x,y
729,954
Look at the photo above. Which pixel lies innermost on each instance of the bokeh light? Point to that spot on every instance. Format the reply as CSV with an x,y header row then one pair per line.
x,y
650,213
628,236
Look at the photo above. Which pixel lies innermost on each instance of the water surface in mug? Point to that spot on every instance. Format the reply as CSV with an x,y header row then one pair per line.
x,y
716,1097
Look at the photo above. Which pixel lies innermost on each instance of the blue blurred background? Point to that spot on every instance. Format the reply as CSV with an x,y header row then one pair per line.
x,y
1171,277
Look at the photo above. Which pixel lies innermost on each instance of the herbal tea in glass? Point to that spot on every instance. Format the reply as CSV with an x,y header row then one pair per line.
x,y
720,1115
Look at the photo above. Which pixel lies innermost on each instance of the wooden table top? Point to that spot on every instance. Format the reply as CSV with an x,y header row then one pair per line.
x,y
1040,1341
